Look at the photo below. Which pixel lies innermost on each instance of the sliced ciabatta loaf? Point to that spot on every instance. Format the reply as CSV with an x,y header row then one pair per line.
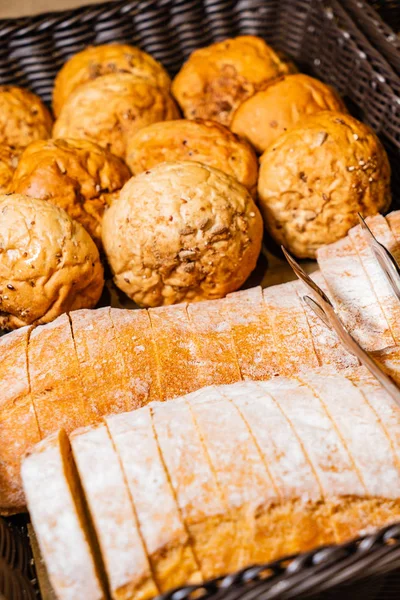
x,y
112,360
246,472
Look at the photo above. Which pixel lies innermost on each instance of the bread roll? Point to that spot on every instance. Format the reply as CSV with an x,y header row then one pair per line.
x,y
266,115
216,79
107,496
110,109
9,157
61,522
168,546
95,61
258,470
48,263
23,117
181,232
202,141
317,176
76,175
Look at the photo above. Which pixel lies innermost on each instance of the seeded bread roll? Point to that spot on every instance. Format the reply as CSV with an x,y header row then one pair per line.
x,y
270,112
76,175
9,157
23,117
101,60
182,231
110,109
206,142
315,179
48,263
217,79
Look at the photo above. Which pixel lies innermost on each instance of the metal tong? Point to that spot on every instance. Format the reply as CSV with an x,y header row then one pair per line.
x,y
324,309
385,259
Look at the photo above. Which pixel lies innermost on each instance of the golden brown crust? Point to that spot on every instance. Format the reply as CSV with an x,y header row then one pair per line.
x,y
76,175
206,142
182,231
96,61
9,157
315,179
48,263
217,79
23,117
110,109
270,112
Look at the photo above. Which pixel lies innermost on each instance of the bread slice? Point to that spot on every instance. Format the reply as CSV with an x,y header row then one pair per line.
x,y
247,488
180,369
195,486
252,334
294,520
366,443
393,220
134,339
353,296
58,515
387,300
328,456
101,371
109,504
19,430
290,329
55,380
327,346
389,360
385,408
219,364
164,533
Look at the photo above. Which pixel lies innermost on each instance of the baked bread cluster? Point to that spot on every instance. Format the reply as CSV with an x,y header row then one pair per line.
x,y
49,264
181,231
171,202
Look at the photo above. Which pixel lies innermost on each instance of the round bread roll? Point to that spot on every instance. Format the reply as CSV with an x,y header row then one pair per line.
x,y
181,232
102,60
216,79
268,113
77,175
203,141
23,117
315,179
110,109
48,263
9,157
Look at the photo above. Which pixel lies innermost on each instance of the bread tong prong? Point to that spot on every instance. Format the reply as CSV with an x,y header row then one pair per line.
x,y
384,257
323,308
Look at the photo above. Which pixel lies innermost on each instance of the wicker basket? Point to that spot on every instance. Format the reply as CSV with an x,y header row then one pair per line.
x,y
380,21
323,40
